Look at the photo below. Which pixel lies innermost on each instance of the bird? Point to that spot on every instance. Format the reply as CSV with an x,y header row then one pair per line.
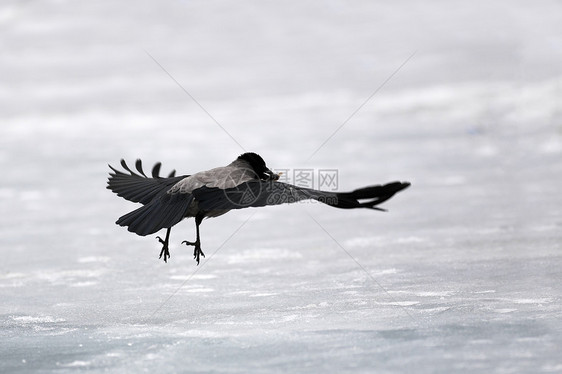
x,y
245,182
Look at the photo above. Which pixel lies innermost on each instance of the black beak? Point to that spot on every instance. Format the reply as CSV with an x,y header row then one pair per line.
x,y
270,176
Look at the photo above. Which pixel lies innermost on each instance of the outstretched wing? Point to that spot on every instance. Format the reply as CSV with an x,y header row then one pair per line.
x,y
260,193
162,212
139,188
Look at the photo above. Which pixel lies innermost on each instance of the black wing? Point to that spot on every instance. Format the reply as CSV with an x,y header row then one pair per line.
x,y
139,188
162,212
259,193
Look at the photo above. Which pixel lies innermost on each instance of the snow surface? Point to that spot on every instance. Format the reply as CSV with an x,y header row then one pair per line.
x,y
461,275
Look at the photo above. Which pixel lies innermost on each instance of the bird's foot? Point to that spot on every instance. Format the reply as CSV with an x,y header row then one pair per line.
x,y
197,252
165,251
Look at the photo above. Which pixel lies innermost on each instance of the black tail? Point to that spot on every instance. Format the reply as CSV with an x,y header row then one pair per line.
x,y
374,195
162,212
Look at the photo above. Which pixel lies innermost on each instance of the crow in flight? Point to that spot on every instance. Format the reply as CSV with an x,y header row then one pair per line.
x,y
245,182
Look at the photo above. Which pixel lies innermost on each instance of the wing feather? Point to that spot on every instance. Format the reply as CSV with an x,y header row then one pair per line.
x,y
139,188
163,212
260,193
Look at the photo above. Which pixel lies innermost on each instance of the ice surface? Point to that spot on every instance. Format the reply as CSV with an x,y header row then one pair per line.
x,y
462,274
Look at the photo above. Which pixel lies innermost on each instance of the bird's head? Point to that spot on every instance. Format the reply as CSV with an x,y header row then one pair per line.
x,y
258,165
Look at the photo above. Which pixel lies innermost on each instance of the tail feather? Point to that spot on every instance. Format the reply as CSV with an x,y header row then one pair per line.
x,y
160,213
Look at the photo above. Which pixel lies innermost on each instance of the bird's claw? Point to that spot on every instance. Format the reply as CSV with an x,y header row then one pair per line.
x,y
165,251
197,252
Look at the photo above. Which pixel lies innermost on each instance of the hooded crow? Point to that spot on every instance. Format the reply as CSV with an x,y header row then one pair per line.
x,y
245,182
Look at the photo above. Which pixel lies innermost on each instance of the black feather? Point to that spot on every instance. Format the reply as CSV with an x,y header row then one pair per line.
x,y
259,193
162,212
139,188
138,165
126,167
156,170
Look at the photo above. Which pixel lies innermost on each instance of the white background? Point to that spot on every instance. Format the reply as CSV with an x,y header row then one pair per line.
x,y
462,274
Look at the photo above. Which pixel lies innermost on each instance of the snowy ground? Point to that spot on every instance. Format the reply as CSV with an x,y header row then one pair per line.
x,y
462,274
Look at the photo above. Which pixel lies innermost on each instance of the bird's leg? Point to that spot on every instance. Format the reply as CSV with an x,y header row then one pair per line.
x,y
165,251
197,252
